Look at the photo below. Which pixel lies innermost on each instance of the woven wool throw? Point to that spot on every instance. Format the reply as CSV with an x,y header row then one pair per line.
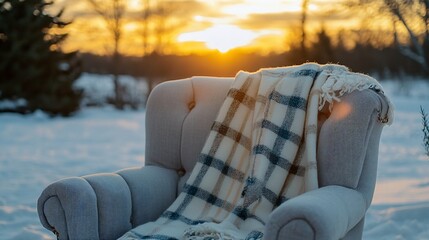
x,y
260,152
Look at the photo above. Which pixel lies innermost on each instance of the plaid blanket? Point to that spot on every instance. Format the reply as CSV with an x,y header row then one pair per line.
x,y
261,151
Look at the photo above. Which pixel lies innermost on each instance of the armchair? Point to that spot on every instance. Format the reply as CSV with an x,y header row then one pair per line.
x,y
178,119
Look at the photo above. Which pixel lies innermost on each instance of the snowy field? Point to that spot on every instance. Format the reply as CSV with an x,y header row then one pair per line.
x,y
36,150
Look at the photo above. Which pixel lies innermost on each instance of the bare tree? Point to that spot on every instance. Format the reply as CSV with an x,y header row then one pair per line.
x,y
160,23
417,49
156,30
146,18
413,17
304,9
112,12
164,11
147,12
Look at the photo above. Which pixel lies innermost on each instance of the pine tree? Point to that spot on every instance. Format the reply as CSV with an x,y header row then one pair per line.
x,y
32,65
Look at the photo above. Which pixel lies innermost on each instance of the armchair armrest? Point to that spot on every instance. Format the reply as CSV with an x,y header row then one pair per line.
x,y
105,206
325,213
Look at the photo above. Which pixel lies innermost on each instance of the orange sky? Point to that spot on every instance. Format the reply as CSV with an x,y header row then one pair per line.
x,y
198,25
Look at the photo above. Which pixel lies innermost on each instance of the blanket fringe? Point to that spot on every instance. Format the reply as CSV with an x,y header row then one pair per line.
x,y
208,231
340,81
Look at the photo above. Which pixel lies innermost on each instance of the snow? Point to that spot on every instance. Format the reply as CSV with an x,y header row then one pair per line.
x,y
5,104
99,87
36,150
400,208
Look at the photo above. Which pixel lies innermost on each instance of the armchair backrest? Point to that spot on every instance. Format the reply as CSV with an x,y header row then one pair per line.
x,y
180,114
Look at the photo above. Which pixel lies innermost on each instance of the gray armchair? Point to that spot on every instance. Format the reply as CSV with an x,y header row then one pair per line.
x,y
178,119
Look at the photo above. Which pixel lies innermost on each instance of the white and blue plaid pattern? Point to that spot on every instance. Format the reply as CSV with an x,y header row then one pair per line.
x,y
254,158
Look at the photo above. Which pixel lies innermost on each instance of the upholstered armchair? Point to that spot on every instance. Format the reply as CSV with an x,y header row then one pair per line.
x,y
178,119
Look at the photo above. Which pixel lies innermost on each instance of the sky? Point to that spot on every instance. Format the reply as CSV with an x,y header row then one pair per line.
x,y
194,26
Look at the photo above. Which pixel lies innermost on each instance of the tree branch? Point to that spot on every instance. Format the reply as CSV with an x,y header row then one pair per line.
x,y
414,56
98,9
418,55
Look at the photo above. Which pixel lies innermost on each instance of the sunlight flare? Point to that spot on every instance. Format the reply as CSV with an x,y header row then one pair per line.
x,y
220,37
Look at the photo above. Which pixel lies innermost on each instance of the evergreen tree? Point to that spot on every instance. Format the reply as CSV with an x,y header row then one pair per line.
x,y
32,65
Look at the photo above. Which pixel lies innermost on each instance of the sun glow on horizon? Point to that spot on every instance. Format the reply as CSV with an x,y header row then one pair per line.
x,y
221,37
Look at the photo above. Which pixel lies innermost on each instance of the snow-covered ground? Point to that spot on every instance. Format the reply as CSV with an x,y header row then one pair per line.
x,y
36,150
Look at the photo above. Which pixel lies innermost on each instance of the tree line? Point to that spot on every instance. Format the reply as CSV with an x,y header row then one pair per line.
x,y
363,57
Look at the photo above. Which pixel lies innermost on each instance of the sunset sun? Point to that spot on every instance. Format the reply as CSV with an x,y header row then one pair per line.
x,y
220,37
